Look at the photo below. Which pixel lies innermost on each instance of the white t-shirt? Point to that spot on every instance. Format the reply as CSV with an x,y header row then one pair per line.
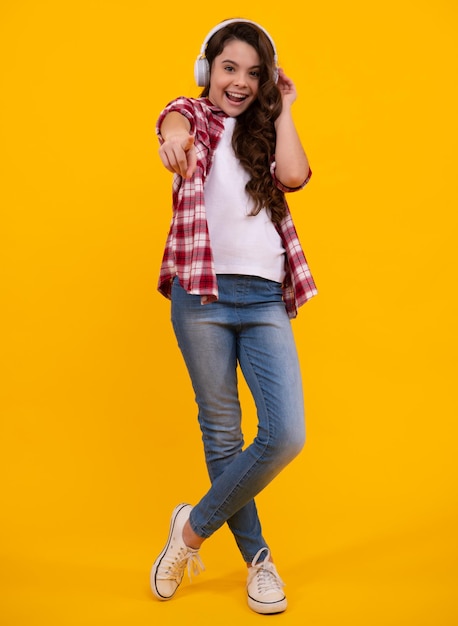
x,y
241,243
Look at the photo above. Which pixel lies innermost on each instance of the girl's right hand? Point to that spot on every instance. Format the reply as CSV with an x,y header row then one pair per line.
x,y
178,154
286,87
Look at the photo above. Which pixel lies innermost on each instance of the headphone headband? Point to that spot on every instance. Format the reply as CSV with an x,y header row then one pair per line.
x,y
201,67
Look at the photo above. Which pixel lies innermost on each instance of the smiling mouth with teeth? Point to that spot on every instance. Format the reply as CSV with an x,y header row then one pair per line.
x,y
235,97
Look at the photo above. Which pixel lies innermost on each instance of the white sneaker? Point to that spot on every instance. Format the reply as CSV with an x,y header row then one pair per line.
x,y
264,586
168,569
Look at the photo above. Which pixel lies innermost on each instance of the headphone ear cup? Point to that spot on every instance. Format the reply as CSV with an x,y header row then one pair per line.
x,y
202,73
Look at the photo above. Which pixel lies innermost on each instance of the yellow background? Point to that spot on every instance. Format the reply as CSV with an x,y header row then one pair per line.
x,y
98,432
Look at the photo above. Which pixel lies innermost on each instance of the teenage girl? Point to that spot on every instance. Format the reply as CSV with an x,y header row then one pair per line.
x,y
236,274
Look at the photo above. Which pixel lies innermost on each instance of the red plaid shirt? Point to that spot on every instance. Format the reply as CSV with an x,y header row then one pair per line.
x,y
188,252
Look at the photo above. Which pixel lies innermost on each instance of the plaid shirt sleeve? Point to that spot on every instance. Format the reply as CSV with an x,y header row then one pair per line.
x,y
283,187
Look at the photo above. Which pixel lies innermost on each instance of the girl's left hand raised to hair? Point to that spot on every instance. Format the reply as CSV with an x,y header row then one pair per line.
x,y
286,87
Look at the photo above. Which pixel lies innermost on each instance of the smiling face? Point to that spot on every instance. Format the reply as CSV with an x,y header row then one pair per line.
x,y
234,78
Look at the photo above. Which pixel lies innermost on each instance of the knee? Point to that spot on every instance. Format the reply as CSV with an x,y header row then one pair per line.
x,y
221,443
289,442
294,447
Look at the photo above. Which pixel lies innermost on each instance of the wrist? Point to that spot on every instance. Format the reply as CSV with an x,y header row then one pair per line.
x,y
285,115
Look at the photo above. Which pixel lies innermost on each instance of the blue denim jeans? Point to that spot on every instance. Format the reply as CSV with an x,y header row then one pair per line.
x,y
247,327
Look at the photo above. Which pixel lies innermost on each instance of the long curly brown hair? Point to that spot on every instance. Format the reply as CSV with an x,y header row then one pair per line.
x,y
254,134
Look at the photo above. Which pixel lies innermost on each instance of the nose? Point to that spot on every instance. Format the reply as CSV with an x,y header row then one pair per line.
x,y
240,78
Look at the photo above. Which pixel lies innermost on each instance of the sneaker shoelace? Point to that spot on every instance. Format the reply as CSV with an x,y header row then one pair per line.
x,y
267,578
174,570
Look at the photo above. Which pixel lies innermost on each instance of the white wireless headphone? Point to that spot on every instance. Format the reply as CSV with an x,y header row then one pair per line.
x,y
201,66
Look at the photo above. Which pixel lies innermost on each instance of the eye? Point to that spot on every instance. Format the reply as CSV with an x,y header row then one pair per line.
x,y
255,73
228,68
